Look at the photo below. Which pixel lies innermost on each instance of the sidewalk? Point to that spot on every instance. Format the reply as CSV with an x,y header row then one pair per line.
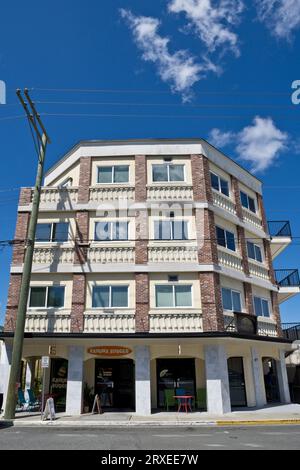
x,y
280,414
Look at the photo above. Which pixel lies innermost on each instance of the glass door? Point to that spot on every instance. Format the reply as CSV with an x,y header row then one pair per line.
x,y
237,382
177,375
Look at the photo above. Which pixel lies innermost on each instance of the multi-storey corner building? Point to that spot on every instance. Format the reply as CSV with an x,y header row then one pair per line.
x,y
152,271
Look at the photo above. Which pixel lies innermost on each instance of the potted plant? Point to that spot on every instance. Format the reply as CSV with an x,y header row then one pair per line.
x,y
87,397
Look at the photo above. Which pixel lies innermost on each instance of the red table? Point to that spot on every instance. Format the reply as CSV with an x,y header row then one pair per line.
x,y
184,402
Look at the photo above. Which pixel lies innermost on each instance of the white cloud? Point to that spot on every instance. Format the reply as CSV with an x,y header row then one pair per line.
x,y
282,17
179,69
212,20
259,144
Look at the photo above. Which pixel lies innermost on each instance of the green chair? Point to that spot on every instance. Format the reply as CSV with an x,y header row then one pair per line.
x,y
201,398
169,399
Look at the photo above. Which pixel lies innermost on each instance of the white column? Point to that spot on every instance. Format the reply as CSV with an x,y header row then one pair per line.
x,y
258,379
5,363
142,381
217,381
75,381
29,376
283,382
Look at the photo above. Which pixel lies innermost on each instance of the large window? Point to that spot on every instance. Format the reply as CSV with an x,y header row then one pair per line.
x,y
219,184
254,252
105,231
113,174
170,230
248,202
261,307
52,232
168,296
47,297
231,300
168,172
225,238
110,296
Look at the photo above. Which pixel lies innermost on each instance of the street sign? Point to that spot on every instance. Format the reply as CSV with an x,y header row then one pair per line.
x,y
45,362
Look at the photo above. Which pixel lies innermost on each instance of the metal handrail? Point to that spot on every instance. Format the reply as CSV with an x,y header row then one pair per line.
x,y
287,277
279,228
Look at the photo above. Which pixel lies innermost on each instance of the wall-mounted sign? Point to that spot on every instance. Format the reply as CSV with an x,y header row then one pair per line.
x,y
45,362
109,351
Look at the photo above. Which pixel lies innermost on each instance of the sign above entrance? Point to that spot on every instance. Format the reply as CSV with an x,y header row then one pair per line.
x,y
109,351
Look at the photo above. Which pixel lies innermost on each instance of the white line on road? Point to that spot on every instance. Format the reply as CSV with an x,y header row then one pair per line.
x,y
215,445
255,446
180,435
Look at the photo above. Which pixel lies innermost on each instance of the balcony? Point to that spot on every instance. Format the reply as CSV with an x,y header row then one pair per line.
x,y
257,269
176,322
110,322
288,282
112,193
48,322
58,198
250,324
168,192
229,259
173,254
291,331
110,254
281,236
224,202
53,255
251,218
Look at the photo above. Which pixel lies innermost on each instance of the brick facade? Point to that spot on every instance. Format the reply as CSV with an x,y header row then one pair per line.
x,y
141,215
276,312
243,249
206,236
201,179
20,237
211,302
85,171
237,197
269,260
248,298
142,302
25,196
262,212
12,302
82,237
140,178
78,303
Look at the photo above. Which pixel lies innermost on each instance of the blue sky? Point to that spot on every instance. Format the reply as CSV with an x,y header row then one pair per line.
x,y
218,69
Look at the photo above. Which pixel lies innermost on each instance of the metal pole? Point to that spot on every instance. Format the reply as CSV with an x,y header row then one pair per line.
x,y
43,393
11,400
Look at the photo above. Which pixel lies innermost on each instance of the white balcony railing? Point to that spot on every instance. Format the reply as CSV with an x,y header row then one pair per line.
x,y
170,192
252,218
63,196
111,193
224,202
175,322
265,326
95,322
173,254
38,322
53,255
106,254
258,270
230,260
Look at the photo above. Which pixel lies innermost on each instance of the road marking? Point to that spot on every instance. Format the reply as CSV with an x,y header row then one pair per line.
x,y
180,435
215,445
255,446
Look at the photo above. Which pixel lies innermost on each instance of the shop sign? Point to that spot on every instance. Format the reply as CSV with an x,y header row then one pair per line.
x,y
110,351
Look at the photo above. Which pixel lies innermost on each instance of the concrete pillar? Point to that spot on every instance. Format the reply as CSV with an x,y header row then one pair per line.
x,y
217,381
75,381
5,362
258,379
29,375
283,382
142,381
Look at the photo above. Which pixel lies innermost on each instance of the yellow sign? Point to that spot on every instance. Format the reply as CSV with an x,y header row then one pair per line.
x,y
110,351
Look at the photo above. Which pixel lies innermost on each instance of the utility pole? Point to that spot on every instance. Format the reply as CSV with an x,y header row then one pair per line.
x,y
42,139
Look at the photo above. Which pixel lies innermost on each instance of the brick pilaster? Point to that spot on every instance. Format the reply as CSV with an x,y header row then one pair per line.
x,y
248,298
276,312
141,215
85,172
206,236
201,179
142,302
12,302
25,196
243,249
237,197
140,178
211,300
78,303
261,209
20,237
82,237
269,261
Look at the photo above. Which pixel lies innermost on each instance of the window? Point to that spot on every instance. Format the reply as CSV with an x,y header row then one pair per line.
x,y
105,231
261,307
167,172
225,238
170,230
231,300
254,252
173,296
47,297
248,202
219,184
52,232
113,174
110,296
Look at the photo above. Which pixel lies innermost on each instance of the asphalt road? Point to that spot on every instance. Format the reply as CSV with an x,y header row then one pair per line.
x,y
196,438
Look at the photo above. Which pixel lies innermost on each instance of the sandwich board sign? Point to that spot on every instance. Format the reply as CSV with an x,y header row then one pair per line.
x,y
49,409
97,404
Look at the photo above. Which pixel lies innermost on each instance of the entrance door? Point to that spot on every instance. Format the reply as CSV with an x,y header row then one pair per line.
x,y
114,382
271,381
237,381
58,382
173,374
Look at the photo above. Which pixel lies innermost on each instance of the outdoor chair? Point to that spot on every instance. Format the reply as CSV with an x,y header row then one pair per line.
x,y
169,399
22,404
32,402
